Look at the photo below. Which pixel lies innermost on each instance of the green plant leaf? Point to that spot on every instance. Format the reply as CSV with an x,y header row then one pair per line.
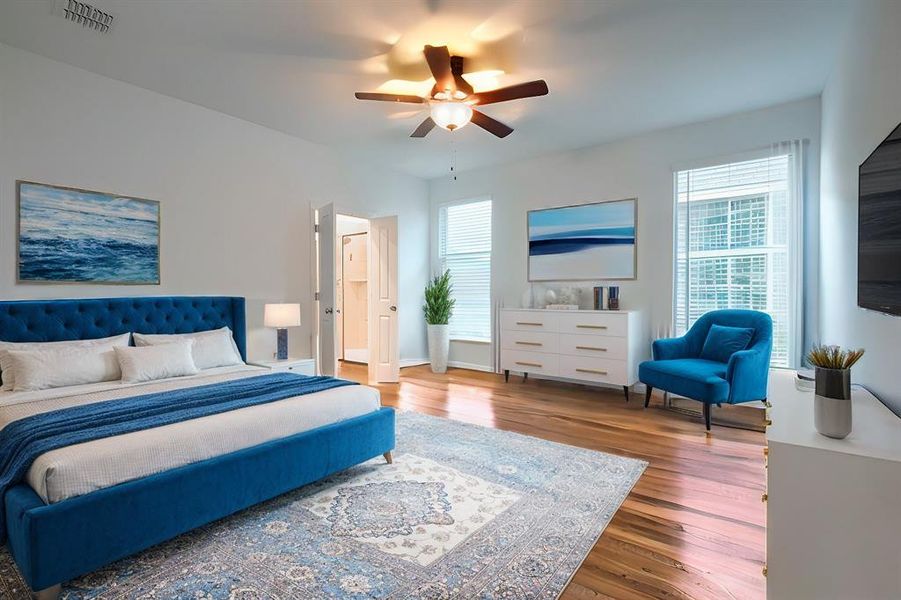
x,y
439,303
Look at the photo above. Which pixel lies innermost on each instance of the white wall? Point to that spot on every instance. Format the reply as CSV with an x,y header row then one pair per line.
x,y
639,167
235,197
861,105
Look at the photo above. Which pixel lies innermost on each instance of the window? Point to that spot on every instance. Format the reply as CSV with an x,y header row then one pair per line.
x,y
733,248
464,247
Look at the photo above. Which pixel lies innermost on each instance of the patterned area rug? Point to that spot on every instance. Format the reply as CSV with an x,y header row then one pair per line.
x,y
464,512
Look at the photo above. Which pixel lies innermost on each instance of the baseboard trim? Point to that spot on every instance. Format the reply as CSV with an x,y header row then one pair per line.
x,y
413,362
469,366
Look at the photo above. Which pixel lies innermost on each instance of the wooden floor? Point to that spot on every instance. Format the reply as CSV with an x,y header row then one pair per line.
x,y
693,526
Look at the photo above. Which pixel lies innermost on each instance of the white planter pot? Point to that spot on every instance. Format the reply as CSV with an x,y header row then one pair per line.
x,y
439,347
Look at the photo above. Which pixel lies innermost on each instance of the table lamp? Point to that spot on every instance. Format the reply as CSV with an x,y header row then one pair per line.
x,y
281,316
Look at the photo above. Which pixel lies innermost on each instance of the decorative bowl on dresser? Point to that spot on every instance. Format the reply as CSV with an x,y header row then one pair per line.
x,y
583,345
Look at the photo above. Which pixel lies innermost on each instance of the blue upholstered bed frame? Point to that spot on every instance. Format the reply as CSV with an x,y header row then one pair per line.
x,y
57,542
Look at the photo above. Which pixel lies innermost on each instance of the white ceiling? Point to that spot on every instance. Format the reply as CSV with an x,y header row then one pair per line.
x,y
614,67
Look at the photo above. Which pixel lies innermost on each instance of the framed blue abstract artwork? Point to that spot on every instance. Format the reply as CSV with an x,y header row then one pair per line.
x,y
583,242
67,235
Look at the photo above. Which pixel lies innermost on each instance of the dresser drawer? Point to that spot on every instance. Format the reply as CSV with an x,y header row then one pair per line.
x,y
616,324
533,341
530,362
597,346
600,370
534,320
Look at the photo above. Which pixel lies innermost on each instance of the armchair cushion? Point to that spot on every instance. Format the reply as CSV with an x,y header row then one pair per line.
x,y
723,341
703,380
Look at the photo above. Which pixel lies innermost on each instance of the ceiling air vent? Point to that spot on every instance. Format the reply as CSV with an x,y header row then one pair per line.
x,y
84,14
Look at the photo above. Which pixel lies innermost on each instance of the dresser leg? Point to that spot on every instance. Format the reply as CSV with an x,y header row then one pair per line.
x,y
626,392
525,377
506,375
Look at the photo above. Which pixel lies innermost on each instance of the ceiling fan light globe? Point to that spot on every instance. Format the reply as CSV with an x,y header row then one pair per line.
x,y
451,115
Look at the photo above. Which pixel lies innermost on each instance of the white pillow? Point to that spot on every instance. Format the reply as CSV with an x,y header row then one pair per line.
x,y
215,348
6,368
44,369
156,362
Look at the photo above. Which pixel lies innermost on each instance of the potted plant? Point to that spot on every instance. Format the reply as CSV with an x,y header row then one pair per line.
x,y
832,402
438,308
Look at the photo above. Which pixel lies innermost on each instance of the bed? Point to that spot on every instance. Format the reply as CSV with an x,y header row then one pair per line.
x,y
84,506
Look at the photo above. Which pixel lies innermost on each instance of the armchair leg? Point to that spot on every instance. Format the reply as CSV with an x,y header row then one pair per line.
x,y
647,395
707,415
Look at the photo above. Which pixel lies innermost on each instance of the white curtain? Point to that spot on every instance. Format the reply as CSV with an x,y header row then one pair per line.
x,y
797,200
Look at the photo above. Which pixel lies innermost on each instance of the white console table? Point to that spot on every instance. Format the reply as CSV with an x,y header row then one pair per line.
x,y
833,506
591,346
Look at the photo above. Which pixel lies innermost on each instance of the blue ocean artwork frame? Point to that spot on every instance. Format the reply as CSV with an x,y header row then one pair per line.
x,y
584,242
71,235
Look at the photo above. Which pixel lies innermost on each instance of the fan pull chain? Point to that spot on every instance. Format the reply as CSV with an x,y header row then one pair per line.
x,y
453,168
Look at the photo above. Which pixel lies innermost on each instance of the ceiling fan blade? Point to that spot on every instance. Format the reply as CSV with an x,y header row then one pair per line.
x,y
389,97
438,58
491,125
456,63
424,128
513,92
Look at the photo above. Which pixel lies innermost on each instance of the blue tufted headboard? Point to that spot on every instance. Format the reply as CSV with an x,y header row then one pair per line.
x,y
89,318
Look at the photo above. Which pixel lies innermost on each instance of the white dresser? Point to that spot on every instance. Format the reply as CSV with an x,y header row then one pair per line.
x,y
833,529
593,346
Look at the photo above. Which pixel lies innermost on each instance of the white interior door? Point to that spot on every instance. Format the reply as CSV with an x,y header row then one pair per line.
x,y
384,352
326,304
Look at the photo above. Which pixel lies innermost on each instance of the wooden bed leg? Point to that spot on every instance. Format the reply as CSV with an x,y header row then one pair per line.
x,y
388,458
50,593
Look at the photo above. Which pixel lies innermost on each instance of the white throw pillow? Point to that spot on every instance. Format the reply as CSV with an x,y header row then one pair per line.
x,y
45,369
6,369
215,348
147,363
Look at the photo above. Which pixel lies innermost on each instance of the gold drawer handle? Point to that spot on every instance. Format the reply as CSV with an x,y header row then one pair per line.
x,y
528,364
768,423
591,326
528,323
764,570
595,371
591,348
764,498
530,343
766,451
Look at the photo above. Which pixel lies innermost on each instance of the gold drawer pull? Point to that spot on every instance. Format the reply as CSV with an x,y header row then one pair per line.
x,y
766,451
528,364
764,498
530,343
528,323
591,326
595,371
764,571
768,423
591,348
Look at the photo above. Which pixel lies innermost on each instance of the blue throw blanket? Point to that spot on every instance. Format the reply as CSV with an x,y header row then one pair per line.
x,y
22,441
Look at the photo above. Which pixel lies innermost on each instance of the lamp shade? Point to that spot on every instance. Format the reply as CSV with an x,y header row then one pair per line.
x,y
281,315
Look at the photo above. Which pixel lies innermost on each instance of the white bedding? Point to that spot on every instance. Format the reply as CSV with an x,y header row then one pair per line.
x,y
82,468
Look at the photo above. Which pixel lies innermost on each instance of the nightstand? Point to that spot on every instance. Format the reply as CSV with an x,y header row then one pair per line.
x,y
301,366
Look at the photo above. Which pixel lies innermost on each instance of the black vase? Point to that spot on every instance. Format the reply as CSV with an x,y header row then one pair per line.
x,y
832,402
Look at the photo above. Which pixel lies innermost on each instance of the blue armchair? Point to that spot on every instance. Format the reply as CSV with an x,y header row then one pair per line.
x,y
715,373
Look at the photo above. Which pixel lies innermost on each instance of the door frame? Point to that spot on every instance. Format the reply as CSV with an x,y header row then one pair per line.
x,y
340,209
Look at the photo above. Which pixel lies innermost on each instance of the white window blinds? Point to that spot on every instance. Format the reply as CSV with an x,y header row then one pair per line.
x,y
464,247
734,245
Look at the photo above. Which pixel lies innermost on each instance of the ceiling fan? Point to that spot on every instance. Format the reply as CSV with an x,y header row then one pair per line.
x,y
452,99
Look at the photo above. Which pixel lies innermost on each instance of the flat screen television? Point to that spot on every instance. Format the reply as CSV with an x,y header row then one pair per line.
x,y
879,228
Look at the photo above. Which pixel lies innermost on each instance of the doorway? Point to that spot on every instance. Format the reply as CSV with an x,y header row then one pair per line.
x,y
332,289
352,289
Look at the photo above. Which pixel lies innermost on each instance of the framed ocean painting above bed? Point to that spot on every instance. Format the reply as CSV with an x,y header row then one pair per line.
x,y
583,242
69,235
